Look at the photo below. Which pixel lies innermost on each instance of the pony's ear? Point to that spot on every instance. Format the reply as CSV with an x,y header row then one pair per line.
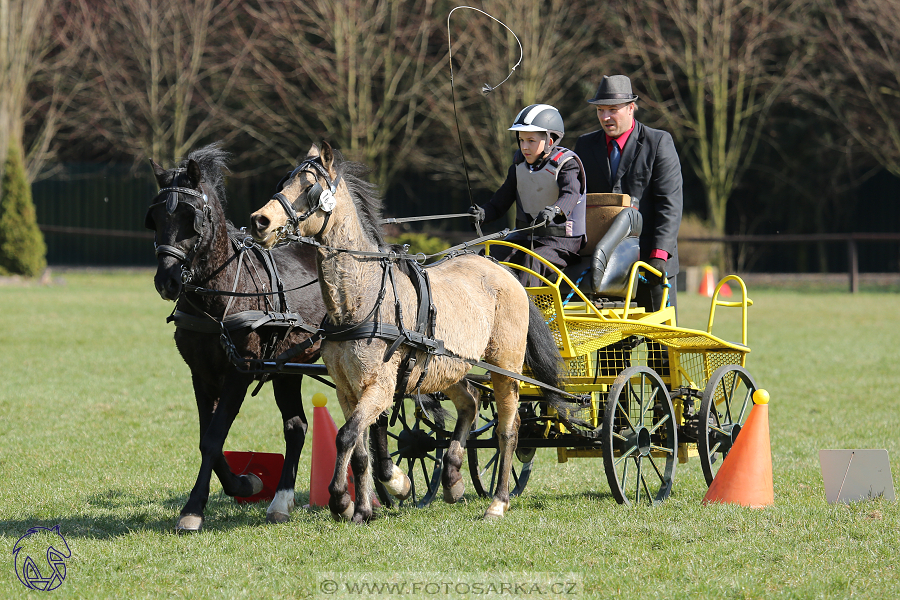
x,y
159,173
313,152
195,176
327,156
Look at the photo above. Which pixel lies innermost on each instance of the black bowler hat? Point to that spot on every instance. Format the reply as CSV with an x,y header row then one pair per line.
x,y
613,90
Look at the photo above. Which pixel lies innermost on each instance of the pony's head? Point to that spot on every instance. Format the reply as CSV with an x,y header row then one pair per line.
x,y
185,215
305,199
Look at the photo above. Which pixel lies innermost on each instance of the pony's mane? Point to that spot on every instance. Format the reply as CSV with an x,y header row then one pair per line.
x,y
213,165
365,194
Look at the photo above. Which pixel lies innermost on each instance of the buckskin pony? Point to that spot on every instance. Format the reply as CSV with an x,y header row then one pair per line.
x,y
220,335
475,308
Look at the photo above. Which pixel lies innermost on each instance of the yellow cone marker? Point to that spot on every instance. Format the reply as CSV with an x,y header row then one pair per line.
x,y
759,397
319,400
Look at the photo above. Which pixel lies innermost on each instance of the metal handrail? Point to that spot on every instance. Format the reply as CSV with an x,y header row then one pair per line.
x,y
743,303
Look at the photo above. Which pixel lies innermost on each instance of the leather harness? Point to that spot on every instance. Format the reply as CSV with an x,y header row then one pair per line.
x,y
277,319
282,321
422,338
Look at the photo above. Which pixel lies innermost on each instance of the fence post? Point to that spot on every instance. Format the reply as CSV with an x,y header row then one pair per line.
x,y
854,265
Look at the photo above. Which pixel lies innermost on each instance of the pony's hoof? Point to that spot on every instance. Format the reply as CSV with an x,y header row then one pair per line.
x,y
454,492
525,454
398,486
346,515
282,505
363,519
276,517
405,492
256,483
497,510
189,524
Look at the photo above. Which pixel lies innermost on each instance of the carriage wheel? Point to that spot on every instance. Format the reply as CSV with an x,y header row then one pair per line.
x,y
639,438
483,452
415,445
726,402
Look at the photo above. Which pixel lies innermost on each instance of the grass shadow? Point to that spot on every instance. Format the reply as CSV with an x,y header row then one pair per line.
x,y
116,513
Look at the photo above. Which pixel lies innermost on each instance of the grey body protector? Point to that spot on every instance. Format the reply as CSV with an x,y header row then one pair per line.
x,y
537,189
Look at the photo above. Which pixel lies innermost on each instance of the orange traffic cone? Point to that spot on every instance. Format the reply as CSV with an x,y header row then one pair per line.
x,y
324,455
745,476
707,284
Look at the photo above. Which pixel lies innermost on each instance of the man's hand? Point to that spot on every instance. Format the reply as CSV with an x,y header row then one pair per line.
x,y
477,215
658,264
549,215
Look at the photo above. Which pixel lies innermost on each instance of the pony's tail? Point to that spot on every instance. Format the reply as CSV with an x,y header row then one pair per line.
x,y
543,359
541,353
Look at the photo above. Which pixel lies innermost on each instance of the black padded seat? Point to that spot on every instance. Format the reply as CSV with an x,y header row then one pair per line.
x,y
613,246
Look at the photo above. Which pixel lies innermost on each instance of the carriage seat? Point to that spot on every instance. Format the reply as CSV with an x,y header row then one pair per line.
x,y
613,245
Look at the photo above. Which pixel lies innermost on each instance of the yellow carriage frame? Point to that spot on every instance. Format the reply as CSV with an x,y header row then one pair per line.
x,y
594,344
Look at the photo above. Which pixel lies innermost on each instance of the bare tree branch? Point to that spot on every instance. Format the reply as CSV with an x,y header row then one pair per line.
x,y
165,73
859,82
559,39
713,69
349,70
41,64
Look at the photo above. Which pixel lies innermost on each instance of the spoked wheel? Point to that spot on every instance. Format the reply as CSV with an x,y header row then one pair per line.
x,y
726,402
639,438
483,452
416,443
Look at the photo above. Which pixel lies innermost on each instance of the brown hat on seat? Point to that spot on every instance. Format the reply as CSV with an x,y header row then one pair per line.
x,y
613,90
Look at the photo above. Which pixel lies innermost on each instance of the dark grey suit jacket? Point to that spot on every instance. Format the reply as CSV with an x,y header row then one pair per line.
x,y
648,171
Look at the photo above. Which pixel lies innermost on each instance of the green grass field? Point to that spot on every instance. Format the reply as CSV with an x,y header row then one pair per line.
x,y
98,433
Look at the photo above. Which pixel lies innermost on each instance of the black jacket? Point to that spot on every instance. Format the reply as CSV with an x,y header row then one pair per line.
x,y
570,184
649,171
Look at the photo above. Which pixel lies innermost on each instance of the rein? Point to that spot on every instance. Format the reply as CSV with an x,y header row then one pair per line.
x,y
202,291
245,244
422,338
419,258
392,221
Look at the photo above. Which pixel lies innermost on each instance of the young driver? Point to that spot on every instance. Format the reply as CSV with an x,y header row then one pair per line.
x,y
547,183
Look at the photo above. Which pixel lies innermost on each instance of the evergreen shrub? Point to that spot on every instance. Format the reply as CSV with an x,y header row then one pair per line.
x,y
22,247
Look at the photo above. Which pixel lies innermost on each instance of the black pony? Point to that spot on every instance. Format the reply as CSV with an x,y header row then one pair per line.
x,y
198,250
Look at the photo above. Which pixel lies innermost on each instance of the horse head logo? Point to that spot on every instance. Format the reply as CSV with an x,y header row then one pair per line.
x,y
35,542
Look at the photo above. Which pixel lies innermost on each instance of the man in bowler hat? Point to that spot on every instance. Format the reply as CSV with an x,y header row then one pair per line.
x,y
627,157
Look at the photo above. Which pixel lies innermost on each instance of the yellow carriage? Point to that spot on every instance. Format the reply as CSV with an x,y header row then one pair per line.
x,y
654,394
659,393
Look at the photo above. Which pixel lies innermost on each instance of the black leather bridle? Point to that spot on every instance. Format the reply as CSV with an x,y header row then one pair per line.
x,y
317,197
202,220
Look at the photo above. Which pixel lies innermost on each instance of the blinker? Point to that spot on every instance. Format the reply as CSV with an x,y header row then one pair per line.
x,y
199,219
318,197
313,194
171,202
